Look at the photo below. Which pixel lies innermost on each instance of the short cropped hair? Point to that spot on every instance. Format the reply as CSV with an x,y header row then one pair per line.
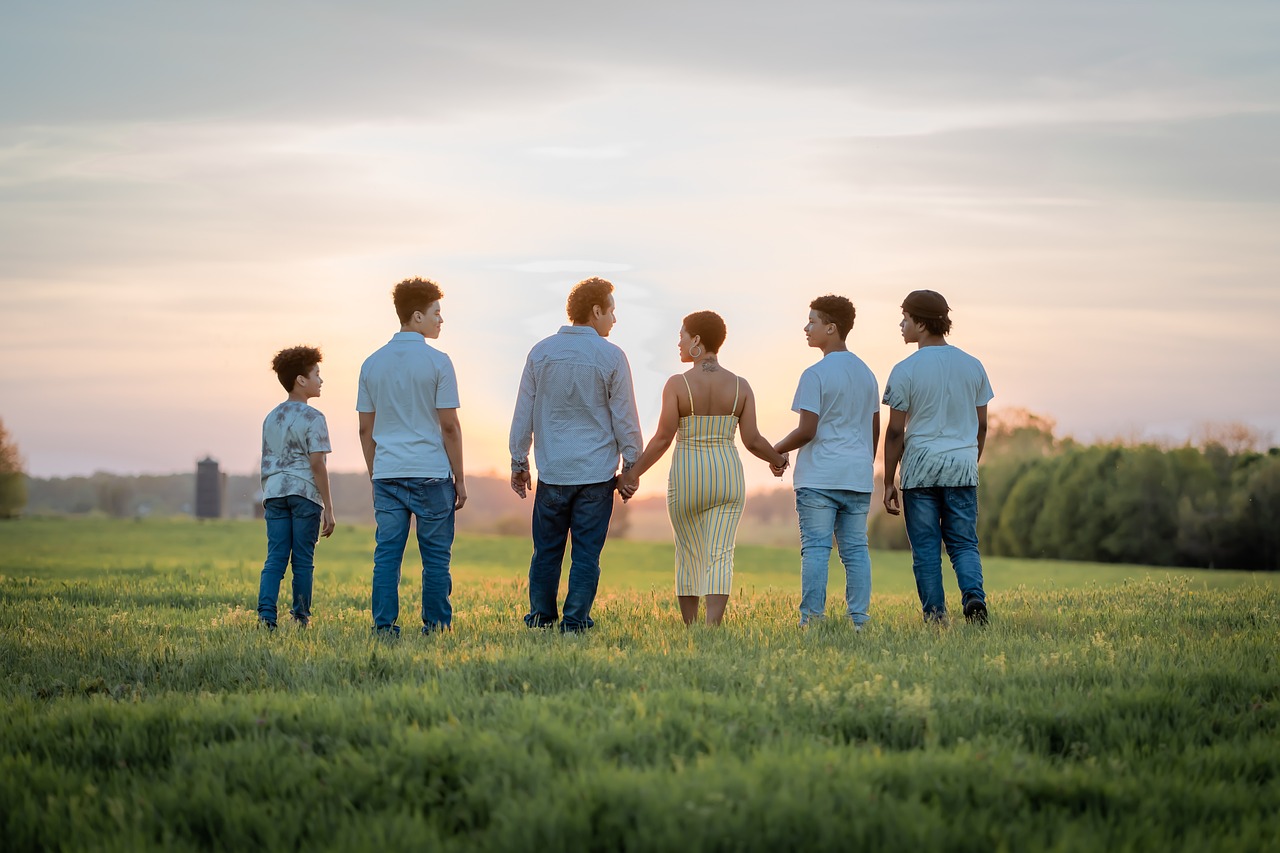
x,y
835,309
585,295
293,362
708,326
414,294
933,325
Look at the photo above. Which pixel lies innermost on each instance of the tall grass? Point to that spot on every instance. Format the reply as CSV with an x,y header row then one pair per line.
x,y
144,709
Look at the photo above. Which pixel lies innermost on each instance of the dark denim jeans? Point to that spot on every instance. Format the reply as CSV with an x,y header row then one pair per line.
x,y
558,511
395,502
293,527
935,516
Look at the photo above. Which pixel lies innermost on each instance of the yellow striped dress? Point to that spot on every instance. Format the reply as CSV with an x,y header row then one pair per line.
x,y
705,496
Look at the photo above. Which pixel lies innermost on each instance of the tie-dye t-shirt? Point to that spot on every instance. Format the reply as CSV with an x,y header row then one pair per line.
x,y
290,434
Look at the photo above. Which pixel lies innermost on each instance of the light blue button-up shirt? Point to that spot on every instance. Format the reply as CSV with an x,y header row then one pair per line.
x,y
577,408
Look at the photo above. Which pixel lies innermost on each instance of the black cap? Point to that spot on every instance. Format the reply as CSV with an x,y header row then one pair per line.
x,y
926,304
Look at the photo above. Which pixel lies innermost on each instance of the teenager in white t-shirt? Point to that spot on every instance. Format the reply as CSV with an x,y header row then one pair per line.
x,y
838,403
938,400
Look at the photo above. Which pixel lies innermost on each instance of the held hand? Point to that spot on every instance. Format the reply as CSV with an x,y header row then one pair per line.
x,y
520,481
460,496
628,485
892,500
327,523
777,470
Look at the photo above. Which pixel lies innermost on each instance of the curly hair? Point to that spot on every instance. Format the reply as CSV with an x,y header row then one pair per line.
x,y
709,327
585,295
835,309
933,325
293,362
414,294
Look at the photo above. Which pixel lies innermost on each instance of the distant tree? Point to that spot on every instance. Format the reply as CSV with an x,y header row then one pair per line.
x,y
1255,515
1142,506
1236,438
13,479
1019,433
1020,511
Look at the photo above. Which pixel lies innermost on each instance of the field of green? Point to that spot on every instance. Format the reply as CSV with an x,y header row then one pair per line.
x,y
1104,708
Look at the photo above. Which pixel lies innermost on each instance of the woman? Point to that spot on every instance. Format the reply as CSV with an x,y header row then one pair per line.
x,y
701,408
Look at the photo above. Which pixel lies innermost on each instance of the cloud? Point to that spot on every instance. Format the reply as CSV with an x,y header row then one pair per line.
x,y
563,266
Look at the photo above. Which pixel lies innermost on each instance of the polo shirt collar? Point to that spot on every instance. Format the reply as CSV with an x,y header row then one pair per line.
x,y
579,330
408,336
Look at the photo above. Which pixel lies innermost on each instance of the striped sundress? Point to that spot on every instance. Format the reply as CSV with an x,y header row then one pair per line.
x,y
705,496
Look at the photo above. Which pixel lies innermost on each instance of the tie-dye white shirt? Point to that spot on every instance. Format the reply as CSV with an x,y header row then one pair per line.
x,y
940,388
290,434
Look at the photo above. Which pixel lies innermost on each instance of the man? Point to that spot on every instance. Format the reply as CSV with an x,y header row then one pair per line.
x,y
937,426
412,442
577,408
839,427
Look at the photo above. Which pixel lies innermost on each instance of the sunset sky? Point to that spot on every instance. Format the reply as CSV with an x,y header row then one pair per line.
x,y
187,188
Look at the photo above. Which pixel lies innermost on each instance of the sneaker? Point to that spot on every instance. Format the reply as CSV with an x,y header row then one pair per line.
x,y
975,612
263,623
299,621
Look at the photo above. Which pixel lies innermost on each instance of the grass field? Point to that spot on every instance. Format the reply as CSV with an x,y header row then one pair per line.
x,y
1104,707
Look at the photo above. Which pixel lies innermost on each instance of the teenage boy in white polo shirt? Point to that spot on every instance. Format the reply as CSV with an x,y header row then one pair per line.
x,y
838,403
412,441
938,399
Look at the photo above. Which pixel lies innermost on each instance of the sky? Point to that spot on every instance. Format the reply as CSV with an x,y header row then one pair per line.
x,y
187,188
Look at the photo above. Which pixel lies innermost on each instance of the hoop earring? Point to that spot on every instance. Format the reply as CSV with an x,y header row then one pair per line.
x,y
699,352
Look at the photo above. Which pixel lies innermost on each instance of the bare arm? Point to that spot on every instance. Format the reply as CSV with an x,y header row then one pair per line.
x,y
367,444
668,424
894,444
451,432
802,434
875,433
982,429
751,437
320,471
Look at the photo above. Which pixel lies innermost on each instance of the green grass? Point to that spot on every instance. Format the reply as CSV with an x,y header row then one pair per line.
x,y
1103,708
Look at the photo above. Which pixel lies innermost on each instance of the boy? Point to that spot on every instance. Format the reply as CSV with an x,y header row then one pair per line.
x,y
295,485
838,403
937,425
412,442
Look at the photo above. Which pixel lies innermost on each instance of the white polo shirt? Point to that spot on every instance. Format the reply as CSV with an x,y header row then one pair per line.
x,y
405,384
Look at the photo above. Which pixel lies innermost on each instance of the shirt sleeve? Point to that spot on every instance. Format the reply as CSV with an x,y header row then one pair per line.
x,y
808,393
364,400
897,390
447,386
521,437
623,411
985,394
318,435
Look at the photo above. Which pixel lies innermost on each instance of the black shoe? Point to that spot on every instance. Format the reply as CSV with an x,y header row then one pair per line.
x,y
263,623
975,612
300,622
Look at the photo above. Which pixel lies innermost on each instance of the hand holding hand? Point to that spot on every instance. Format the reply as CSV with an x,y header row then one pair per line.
x,y
628,485
520,482
778,469
892,500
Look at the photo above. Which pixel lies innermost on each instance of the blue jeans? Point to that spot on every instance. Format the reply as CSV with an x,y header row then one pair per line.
x,y
938,515
558,511
293,527
842,514
430,501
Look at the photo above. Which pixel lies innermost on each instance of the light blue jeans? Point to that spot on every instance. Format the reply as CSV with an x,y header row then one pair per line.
x,y
430,501
938,516
842,514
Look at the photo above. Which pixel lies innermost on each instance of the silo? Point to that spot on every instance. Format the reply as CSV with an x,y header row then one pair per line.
x,y
208,489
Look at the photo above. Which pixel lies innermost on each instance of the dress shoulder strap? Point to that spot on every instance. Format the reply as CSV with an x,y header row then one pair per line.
x,y
736,380
690,390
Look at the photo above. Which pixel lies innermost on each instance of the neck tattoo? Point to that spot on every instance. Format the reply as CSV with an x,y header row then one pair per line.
x,y
710,366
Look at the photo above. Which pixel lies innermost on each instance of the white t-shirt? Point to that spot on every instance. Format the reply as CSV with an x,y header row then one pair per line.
x,y
405,384
940,388
842,391
290,434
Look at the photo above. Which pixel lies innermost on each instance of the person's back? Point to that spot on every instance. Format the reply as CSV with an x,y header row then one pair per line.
x,y
576,409
412,443
937,425
938,387
836,439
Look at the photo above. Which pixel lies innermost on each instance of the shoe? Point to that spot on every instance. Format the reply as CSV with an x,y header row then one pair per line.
x,y
392,633
263,623
975,612
300,622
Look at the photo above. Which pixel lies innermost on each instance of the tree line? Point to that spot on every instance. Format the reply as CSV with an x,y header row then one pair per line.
x,y
1213,504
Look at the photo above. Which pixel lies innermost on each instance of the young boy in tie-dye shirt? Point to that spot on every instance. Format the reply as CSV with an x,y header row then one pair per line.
x,y
295,485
